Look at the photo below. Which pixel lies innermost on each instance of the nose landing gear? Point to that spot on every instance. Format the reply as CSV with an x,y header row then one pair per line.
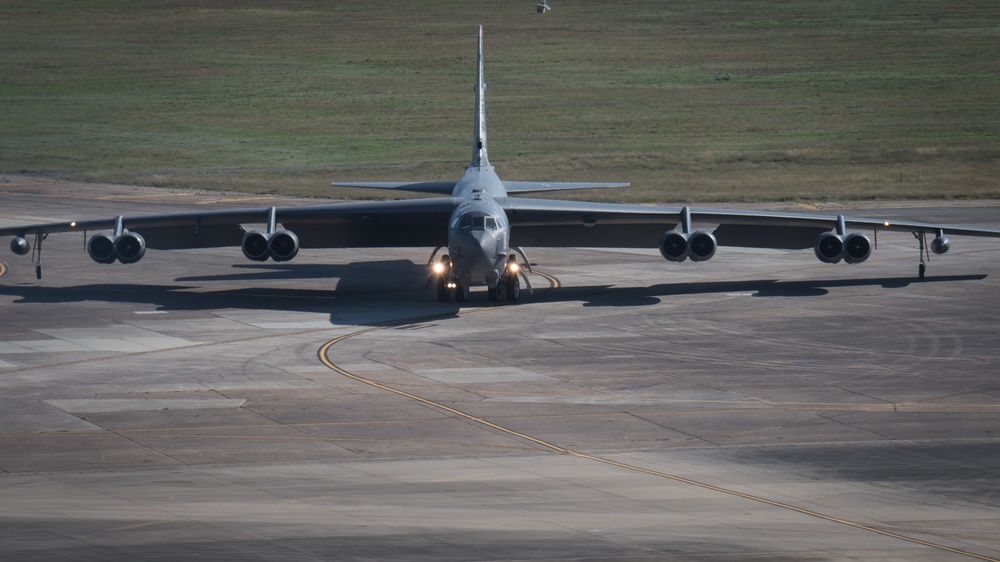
x,y
447,282
509,284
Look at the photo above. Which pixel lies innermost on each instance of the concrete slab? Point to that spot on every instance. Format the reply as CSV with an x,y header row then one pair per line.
x,y
84,406
481,375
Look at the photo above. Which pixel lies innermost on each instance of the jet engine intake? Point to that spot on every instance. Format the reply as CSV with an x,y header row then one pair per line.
x,y
831,247
101,248
677,246
130,247
702,246
283,245
255,245
674,246
857,248
20,246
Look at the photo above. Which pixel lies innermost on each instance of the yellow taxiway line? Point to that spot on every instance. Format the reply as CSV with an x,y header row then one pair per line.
x,y
324,357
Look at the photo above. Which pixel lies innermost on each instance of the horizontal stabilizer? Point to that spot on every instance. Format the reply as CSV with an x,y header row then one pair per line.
x,y
442,187
535,186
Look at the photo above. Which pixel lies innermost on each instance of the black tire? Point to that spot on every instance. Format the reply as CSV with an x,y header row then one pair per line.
x,y
513,289
444,294
462,293
493,293
922,270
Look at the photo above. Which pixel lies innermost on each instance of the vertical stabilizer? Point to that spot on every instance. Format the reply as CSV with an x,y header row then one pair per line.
x,y
479,158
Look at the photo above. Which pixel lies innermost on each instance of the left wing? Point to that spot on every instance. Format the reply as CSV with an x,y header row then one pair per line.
x,y
405,223
440,187
541,222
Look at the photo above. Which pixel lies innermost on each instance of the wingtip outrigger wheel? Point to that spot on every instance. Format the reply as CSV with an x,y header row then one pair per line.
x,y
922,241
940,245
39,237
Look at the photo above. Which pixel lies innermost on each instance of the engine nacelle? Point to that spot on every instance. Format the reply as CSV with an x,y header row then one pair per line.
x,y
941,244
108,248
130,247
699,246
702,245
279,246
674,246
101,248
20,246
831,247
857,248
255,244
283,245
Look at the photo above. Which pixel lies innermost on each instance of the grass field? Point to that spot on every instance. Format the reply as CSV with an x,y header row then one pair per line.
x,y
691,101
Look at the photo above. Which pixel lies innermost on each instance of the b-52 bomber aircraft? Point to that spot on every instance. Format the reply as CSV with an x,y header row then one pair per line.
x,y
483,227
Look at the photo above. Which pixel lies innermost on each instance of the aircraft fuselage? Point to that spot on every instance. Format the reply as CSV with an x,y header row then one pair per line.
x,y
478,229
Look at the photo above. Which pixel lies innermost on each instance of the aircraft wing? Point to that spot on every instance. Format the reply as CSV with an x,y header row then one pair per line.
x,y
537,186
555,223
405,223
440,187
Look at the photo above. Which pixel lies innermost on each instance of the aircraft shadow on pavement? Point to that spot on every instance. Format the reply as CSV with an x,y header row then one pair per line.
x,y
370,284
352,286
605,295
359,274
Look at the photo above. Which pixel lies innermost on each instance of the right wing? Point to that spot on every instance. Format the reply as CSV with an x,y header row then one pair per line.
x,y
413,223
539,186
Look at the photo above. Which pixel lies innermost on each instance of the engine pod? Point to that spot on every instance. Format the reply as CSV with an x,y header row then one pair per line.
x,y
101,248
283,245
702,246
857,248
255,245
130,247
829,247
674,246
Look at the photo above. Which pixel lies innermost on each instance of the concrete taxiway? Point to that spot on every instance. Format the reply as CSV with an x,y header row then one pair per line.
x,y
759,406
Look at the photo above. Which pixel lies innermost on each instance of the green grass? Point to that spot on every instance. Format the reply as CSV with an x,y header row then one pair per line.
x,y
703,101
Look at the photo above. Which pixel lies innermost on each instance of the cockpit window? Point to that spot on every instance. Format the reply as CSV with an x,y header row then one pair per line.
x,y
477,222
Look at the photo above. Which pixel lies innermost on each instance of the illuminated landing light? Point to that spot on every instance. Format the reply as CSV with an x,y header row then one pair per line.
x,y
513,267
438,267
886,224
72,224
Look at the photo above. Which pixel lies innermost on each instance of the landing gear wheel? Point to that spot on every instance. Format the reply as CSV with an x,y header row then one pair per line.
x,y
462,293
444,294
922,270
513,289
493,293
